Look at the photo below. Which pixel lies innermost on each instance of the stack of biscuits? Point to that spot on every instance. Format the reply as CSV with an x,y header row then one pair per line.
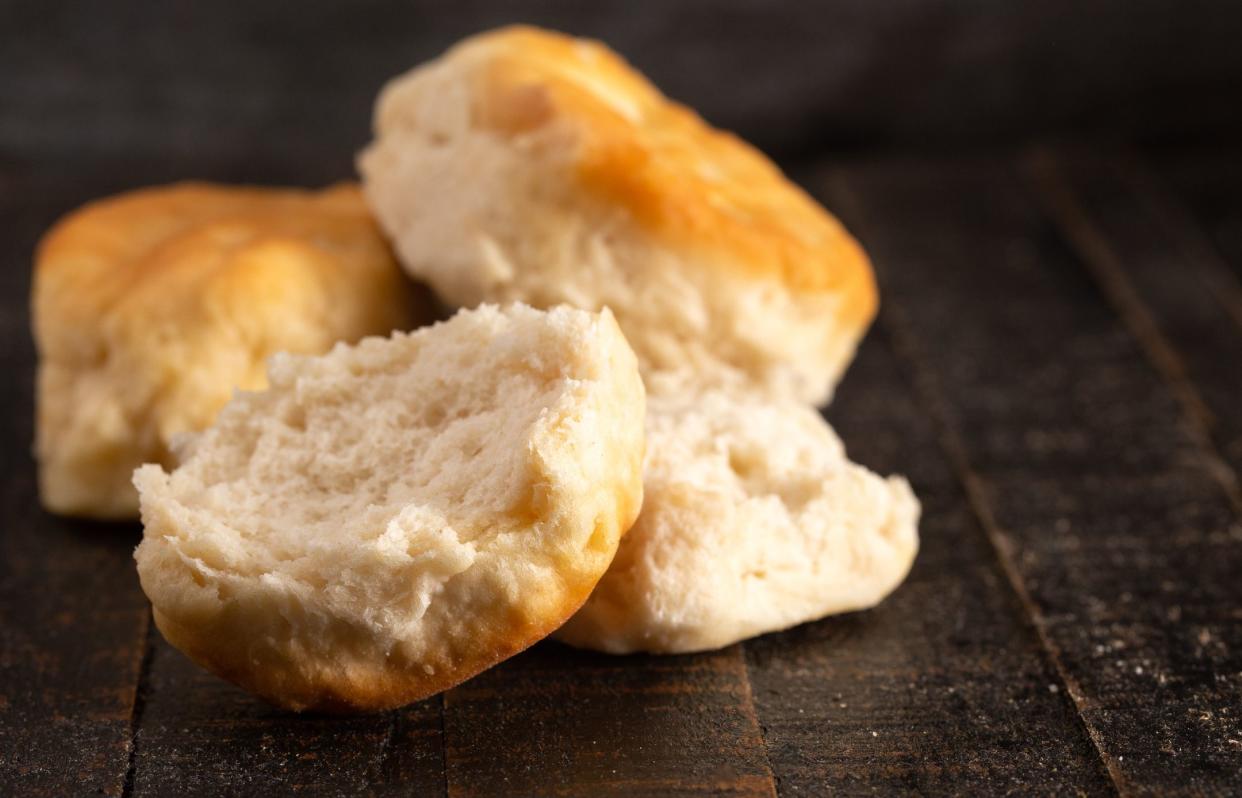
x,y
612,441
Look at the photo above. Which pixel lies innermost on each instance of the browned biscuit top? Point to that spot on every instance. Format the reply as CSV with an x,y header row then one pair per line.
x,y
691,184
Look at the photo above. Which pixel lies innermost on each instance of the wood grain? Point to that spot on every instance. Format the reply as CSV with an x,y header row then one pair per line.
x,y
1099,499
1199,216
72,619
944,687
1173,295
559,721
200,735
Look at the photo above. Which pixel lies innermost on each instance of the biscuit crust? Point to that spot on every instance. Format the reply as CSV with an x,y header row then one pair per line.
x,y
525,165
150,308
690,183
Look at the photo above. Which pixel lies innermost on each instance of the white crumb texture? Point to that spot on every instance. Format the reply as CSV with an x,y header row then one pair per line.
x,y
398,503
754,521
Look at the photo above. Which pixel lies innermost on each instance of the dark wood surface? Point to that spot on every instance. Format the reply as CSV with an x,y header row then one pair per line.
x,y
1113,518
1057,366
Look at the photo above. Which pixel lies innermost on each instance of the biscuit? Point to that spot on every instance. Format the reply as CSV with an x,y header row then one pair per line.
x,y
391,518
527,165
753,521
151,307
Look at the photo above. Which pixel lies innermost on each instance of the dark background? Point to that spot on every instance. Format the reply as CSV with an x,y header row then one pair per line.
x,y
1051,194
283,90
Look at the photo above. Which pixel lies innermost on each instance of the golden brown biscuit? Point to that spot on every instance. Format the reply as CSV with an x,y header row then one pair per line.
x,y
150,308
527,165
390,518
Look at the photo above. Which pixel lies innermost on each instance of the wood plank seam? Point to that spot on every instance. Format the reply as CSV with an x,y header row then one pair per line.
x,y
141,691
975,496
1043,171
890,318
639,725
749,709
378,772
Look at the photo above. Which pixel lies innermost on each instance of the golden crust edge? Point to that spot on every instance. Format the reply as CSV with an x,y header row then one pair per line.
x,y
396,687
607,172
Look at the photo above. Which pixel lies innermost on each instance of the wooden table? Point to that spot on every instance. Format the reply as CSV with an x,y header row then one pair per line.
x,y
1057,366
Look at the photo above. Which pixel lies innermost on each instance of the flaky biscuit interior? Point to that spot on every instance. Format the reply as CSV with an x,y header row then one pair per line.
x,y
754,521
391,518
